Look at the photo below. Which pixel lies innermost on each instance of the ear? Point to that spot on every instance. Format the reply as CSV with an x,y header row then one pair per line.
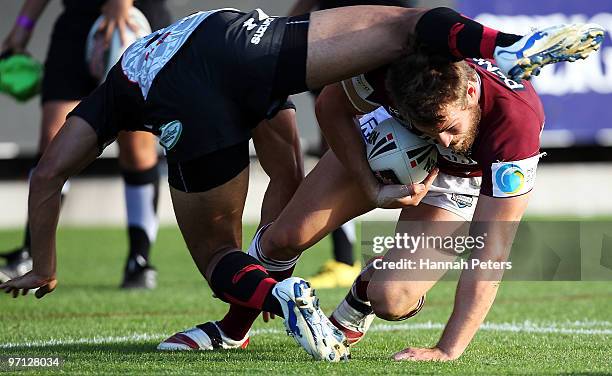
x,y
472,93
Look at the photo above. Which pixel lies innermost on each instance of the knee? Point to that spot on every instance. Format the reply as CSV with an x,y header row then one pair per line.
x,y
46,173
391,302
283,242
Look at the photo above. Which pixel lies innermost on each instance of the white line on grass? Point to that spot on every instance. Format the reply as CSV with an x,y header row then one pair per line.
x,y
569,327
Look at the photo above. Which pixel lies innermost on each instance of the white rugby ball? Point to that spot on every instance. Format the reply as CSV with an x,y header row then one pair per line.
x,y
398,156
100,59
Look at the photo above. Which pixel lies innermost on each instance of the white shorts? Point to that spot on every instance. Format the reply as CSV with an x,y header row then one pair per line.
x,y
455,194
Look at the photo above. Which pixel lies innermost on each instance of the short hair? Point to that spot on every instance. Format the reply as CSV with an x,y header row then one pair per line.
x,y
421,83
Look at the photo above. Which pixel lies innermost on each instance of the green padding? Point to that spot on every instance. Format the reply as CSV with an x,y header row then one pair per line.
x,y
20,77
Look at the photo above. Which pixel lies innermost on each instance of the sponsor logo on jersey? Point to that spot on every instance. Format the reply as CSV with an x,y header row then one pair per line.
x,y
462,201
510,179
514,178
381,146
492,68
250,24
170,134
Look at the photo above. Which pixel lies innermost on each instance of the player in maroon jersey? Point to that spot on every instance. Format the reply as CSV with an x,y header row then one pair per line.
x,y
487,130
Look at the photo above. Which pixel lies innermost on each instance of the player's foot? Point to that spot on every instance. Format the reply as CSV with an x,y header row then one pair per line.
x,y
353,316
335,274
18,263
526,57
207,336
307,324
139,277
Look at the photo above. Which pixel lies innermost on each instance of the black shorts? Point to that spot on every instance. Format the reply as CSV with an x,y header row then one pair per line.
x,y
66,75
211,94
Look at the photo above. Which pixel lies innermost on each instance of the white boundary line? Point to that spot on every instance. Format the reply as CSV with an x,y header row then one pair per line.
x,y
569,327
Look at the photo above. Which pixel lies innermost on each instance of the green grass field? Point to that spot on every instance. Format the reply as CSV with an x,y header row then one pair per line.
x,y
533,328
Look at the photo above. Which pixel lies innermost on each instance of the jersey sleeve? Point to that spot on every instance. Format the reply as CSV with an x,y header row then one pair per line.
x,y
95,110
510,155
367,91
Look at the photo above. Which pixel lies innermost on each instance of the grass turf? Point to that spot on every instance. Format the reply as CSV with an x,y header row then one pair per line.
x,y
99,329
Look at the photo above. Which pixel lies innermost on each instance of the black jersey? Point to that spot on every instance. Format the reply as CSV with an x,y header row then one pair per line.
x,y
201,84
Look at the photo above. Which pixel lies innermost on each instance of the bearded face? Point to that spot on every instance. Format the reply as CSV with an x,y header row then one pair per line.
x,y
458,129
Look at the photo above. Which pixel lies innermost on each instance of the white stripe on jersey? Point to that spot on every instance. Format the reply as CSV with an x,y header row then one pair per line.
x,y
142,61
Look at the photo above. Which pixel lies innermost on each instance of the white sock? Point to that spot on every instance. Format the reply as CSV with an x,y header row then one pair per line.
x,y
269,263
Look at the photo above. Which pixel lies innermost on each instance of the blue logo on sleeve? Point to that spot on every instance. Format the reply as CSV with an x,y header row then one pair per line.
x,y
510,179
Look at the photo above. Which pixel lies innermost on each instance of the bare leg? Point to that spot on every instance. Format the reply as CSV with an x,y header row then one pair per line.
x,y
394,293
326,199
343,42
211,221
278,148
53,117
137,150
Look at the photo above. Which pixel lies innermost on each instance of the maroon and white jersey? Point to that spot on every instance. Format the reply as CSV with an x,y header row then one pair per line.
x,y
507,149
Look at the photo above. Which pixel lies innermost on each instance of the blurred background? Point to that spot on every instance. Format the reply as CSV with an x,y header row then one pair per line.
x,y
573,180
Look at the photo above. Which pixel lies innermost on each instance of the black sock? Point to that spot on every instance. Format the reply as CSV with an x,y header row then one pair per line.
x,y
448,32
141,196
240,279
239,319
343,248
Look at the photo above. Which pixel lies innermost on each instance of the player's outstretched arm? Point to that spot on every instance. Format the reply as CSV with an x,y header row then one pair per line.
x,y
336,117
74,147
499,219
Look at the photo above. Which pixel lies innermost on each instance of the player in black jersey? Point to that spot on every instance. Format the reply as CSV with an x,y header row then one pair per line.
x,y
201,85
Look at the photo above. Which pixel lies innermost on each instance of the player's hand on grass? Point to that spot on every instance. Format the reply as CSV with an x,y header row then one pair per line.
x,y
422,354
29,281
399,196
116,15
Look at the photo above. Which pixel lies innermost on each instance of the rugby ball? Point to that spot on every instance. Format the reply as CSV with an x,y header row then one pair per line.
x,y
100,59
398,156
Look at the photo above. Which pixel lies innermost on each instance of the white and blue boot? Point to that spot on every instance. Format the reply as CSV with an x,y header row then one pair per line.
x,y
307,324
554,44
